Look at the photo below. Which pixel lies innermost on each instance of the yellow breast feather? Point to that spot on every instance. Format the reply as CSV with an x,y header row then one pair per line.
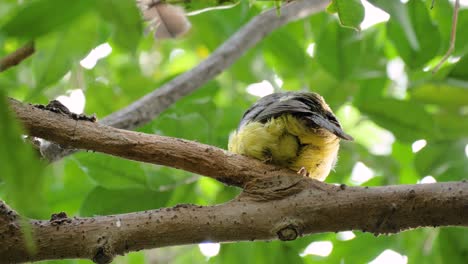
x,y
294,130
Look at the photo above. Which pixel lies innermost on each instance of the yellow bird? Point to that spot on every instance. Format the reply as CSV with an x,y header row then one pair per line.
x,y
297,130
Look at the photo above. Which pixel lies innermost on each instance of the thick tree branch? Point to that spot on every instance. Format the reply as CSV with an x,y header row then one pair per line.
x,y
178,153
16,57
151,105
276,203
304,206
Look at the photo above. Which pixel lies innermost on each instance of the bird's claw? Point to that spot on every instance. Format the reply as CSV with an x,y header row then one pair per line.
x,y
303,172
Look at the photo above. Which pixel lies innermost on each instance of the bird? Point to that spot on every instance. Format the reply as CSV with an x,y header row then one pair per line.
x,y
297,130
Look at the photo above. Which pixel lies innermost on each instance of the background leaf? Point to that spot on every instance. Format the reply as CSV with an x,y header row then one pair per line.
x,y
35,16
125,17
377,81
351,12
22,179
411,30
338,50
60,50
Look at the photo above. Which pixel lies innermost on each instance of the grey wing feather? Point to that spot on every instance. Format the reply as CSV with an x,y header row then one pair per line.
x,y
298,104
279,108
276,104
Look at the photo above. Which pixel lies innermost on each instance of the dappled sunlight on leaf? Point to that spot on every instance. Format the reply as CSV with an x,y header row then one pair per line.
x,y
260,89
361,173
345,235
427,179
319,248
209,249
418,145
95,55
390,257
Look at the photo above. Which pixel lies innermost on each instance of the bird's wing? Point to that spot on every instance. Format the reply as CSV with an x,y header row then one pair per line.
x,y
301,105
278,108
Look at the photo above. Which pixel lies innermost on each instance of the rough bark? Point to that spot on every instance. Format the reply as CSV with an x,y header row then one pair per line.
x,y
174,152
285,210
276,203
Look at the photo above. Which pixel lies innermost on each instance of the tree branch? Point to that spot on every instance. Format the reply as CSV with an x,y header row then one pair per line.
x,y
276,203
304,206
177,153
17,56
151,105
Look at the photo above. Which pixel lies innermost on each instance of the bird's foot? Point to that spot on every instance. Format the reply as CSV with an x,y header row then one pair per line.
x,y
267,156
303,171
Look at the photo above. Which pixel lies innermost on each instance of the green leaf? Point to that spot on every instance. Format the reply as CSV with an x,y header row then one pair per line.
x,y
407,120
7,10
410,244
338,50
451,125
276,54
460,70
411,30
399,15
21,170
461,41
258,252
188,254
332,8
403,154
452,245
183,193
68,185
116,82
101,201
38,17
112,172
129,258
443,159
57,52
442,15
372,58
441,93
125,17
345,251
350,12
193,117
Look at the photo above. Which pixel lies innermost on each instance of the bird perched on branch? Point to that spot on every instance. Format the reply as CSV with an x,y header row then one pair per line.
x,y
297,130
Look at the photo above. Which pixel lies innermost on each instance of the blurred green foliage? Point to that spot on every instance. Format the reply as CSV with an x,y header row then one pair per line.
x,y
377,80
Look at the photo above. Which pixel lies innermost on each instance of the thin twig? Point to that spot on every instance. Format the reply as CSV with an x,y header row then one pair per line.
x,y
17,56
453,35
